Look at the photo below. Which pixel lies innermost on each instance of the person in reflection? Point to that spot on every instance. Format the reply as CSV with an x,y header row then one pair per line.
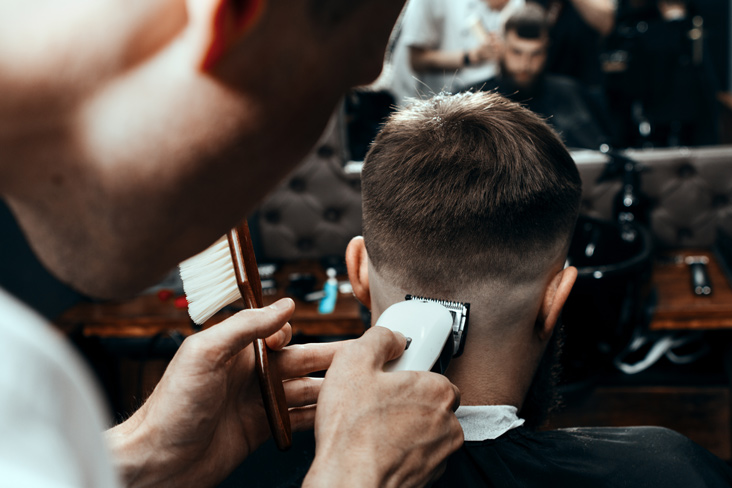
x,y
446,45
569,108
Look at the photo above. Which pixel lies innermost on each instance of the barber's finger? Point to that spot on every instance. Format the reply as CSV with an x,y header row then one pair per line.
x,y
456,402
280,339
451,393
228,338
302,359
377,346
302,418
301,392
440,391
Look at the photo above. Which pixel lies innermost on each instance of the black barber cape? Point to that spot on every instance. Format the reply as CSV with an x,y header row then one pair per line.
x,y
592,457
644,457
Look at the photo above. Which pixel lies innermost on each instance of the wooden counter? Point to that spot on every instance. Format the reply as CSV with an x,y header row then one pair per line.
x,y
678,308
148,315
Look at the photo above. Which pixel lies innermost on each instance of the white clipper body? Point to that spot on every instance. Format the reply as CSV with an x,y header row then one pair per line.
x,y
428,325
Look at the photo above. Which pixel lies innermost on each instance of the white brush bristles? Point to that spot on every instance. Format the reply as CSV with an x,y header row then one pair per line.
x,y
209,281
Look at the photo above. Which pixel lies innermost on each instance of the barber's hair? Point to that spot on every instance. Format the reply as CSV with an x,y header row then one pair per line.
x,y
528,22
461,189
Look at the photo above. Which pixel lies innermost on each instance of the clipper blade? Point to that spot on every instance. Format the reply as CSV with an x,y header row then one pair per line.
x,y
460,313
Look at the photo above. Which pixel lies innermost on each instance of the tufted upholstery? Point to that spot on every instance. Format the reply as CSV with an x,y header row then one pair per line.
x,y
318,209
690,191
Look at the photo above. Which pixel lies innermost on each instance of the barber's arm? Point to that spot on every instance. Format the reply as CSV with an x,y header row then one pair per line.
x,y
599,14
424,59
206,415
377,429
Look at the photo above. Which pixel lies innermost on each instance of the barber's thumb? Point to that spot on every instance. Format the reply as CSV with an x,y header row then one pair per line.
x,y
241,329
386,344
280,311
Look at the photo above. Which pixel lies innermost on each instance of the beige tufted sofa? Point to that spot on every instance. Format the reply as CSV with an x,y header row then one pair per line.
x,y
317,210
690,191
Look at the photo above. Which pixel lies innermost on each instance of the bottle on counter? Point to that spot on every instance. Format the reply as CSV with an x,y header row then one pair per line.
x,y
328,302
630,205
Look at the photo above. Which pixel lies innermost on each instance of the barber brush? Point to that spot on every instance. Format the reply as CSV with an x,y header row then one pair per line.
x,y
220,275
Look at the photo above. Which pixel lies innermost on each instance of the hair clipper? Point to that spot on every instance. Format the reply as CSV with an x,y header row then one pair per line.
x,y
435,331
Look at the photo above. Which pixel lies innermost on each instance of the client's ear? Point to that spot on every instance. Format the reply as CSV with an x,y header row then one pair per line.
x,y
357,262
230,20
555,296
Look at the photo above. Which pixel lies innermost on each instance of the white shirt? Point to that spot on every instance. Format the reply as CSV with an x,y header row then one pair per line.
x,y
446,25
51,413
484,422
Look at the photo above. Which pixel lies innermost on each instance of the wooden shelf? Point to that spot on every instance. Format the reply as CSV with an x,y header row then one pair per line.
x,y
678,308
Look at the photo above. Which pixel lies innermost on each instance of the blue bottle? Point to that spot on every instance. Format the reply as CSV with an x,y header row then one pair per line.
x,y
328,302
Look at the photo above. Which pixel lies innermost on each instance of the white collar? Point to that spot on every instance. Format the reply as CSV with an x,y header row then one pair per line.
x,y
484,422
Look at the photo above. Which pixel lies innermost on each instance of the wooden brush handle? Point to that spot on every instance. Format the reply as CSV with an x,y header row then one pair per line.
x,y
270,382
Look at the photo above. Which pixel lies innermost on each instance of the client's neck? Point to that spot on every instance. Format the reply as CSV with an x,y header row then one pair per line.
x,y
495,372
502,350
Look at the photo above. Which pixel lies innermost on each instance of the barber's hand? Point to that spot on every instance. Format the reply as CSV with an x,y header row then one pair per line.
x,y
382,429
206,415
488,51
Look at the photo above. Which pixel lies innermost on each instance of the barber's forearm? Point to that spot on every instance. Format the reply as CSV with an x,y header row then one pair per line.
x,y
141,463
423,60
132,459
599,14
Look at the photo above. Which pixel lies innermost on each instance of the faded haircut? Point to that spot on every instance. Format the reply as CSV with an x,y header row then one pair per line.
x,y
528,22
460,189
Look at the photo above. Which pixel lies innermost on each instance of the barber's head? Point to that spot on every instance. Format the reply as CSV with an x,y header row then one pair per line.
x,y
467,191
108,102
526,40
109,74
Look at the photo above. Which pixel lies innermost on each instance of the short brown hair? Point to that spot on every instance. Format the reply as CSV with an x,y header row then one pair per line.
x,y
462,188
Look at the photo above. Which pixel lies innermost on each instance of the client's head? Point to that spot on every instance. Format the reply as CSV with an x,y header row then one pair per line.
x,y
473,198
